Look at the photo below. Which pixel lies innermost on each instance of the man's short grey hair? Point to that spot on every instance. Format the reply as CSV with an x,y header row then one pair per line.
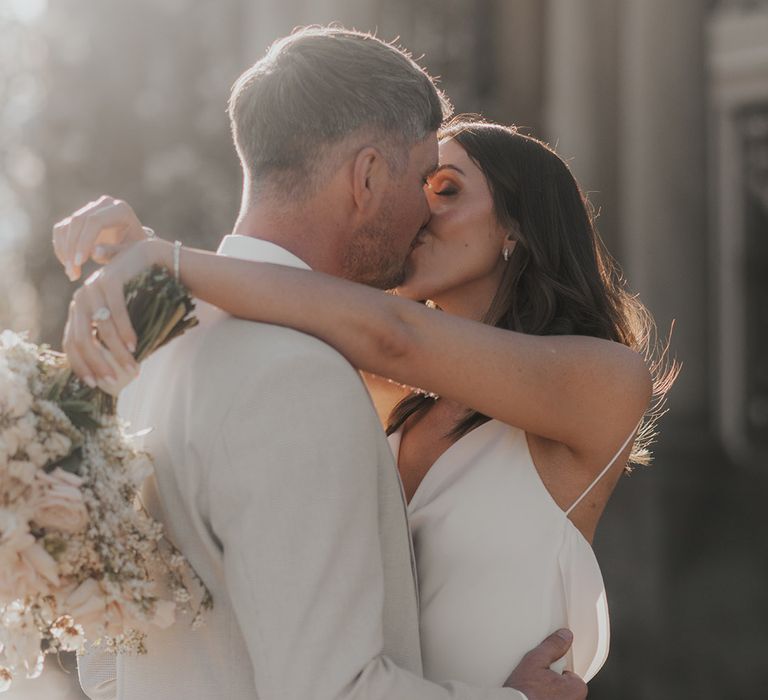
x,y
318,86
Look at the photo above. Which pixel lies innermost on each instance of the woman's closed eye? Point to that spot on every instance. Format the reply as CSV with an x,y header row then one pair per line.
x,y
442,188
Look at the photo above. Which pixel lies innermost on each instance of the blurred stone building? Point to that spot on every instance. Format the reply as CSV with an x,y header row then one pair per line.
x,y
661,107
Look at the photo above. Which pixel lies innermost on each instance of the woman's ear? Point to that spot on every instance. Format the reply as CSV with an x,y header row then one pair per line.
x,y
513,230
510,239
369,176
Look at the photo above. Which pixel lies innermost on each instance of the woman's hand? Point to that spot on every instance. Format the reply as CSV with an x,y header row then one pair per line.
x,y
98,230
98,317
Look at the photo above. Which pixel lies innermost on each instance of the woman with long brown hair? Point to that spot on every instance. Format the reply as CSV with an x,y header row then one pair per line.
x,y
537,386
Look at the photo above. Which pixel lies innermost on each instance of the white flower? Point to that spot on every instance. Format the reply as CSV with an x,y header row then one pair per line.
x,y
6,678
25,567
20,640
14,615
165,614
22,470
59,503
15,396
9,524
58,445
26,428
10,439
37,454
34,670
119,619
87,605
69,634
140,467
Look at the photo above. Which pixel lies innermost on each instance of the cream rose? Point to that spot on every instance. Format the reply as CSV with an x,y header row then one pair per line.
x,y
59,502
25,567
87,605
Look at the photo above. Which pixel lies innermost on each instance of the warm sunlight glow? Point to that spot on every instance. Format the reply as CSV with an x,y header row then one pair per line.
x,y
27,10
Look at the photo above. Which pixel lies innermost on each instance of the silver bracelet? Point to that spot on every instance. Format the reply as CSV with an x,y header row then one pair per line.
x,y
176,260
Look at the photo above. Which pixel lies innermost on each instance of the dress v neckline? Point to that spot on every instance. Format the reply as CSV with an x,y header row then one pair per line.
x,y
396,441
412,504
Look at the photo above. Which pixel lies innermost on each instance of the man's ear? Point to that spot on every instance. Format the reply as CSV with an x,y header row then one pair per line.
x,y
369,178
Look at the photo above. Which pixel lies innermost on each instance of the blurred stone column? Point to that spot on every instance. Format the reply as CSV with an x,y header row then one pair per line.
x,y
663,184
518,30
580,98
738,63
625,100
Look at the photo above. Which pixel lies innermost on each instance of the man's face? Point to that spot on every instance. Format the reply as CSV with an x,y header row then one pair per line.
x,y
377,254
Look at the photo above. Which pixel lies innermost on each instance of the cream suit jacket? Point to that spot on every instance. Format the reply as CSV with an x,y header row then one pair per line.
x,y
274,478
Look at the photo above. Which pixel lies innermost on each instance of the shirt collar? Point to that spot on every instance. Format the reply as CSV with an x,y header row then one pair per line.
x,y
258,250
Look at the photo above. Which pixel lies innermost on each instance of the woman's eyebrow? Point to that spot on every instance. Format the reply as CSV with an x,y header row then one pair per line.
x,y
448,166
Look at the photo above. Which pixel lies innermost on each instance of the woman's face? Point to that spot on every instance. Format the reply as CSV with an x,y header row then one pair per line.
x,y
457,259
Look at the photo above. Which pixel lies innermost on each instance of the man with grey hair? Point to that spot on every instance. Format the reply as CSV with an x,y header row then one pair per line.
x,y
273,475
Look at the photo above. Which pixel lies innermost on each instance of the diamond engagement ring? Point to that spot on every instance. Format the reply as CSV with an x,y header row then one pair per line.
x,y
101,314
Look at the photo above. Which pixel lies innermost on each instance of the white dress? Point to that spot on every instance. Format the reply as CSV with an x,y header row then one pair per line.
x,y
500,565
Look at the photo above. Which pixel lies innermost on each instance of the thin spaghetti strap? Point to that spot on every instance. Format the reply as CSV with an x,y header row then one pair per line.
x,y
605,471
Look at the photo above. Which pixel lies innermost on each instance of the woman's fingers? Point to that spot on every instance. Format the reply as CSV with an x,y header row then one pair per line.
x,y
60,230
123,377
80,342
103,253
101,223
111,223
65,235
71,235
115,298
104,222
76,362
106,332
100,304
103,309
96,220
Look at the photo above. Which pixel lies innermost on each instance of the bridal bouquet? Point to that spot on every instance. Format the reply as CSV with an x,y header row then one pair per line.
x,y
80,558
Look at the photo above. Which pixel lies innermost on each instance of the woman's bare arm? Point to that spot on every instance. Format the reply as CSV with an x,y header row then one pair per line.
x,y
564,388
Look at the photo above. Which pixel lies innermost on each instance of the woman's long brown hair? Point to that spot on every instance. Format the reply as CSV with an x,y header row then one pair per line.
x,y
560,279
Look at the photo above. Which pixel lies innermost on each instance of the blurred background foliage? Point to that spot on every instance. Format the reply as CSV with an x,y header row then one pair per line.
x,y
121,98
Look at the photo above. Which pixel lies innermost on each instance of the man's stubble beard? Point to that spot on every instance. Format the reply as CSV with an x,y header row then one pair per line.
x,y
370,258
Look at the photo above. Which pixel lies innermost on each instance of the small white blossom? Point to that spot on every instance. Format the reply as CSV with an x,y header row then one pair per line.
x,y
58,445
22,470
6,678
69,634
